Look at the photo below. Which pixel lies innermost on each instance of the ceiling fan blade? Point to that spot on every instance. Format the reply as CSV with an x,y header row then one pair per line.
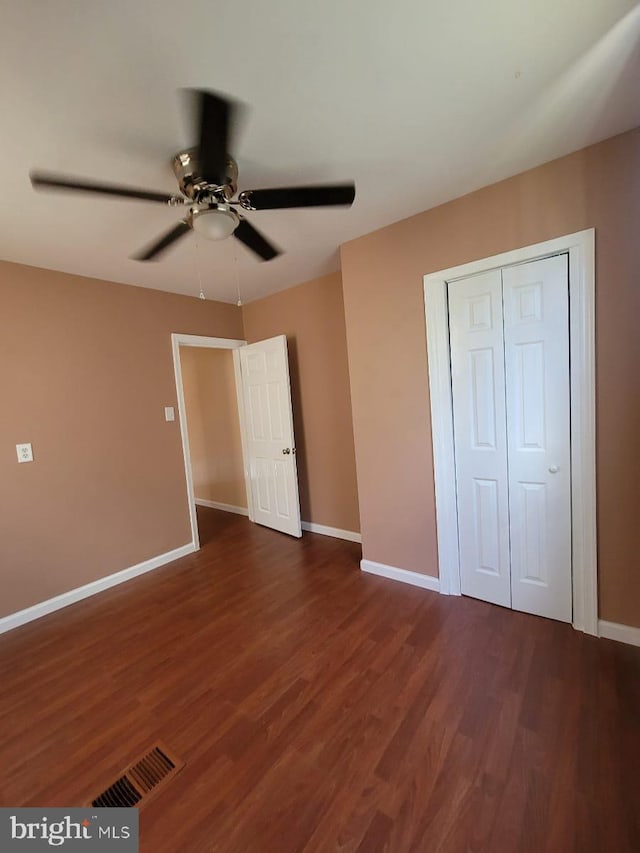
x,y
152,252
43,180
253,239
216,118
281,197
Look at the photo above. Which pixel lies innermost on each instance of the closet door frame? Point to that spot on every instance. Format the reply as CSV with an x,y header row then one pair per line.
x,y
580,248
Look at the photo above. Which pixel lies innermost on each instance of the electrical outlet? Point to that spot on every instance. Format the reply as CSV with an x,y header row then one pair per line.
x,y
169,414
25,452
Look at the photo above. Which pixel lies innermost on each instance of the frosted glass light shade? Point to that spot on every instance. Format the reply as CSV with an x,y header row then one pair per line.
x,y
215,224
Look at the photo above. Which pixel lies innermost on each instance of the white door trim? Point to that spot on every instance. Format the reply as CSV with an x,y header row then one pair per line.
x,y
581,250
237,371
178,340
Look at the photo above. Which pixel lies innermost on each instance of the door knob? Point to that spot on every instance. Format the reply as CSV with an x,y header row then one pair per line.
x,y
287,451
553,469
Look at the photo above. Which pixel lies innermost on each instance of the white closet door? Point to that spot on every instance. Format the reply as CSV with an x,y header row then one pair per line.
x,y
478,386
536,330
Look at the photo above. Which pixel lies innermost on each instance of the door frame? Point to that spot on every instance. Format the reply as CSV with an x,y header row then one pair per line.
x,y
178,340
584,576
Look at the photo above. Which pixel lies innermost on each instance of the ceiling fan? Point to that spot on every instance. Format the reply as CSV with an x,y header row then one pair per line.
x,y
208,180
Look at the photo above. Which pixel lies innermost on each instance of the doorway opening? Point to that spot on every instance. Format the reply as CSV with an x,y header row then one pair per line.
x,y
203,361
214,436
236,424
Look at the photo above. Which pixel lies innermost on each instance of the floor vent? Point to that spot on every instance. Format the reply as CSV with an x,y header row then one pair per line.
x,y
140,781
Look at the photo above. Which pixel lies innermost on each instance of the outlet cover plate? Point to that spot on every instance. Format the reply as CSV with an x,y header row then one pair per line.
x,y
25,452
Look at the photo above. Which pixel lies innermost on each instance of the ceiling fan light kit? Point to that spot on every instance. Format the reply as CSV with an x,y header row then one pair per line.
x,y
207,176
214,222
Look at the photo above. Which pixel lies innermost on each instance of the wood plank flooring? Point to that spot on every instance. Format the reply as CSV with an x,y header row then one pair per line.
x,y
320,709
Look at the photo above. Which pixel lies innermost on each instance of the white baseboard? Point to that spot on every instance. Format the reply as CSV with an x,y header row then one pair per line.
x,y
238,510
336,532
621,633
402,575
349,535
14,620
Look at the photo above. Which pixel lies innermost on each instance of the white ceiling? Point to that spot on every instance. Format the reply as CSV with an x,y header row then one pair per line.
x,y
419,101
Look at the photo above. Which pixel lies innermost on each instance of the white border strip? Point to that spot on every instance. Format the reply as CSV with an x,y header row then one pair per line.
x,y
244,435
336,532
580,247
207,343
444,465
402,575
237,510
14,620
622,633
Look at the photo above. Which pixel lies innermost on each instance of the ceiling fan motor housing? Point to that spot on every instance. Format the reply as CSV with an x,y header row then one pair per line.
x,y
186,169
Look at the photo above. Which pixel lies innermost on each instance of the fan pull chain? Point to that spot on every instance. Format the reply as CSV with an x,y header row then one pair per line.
x,y
235,259
198,272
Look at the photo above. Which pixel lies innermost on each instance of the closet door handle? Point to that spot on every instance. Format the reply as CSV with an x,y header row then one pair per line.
x,y
553,469
287,451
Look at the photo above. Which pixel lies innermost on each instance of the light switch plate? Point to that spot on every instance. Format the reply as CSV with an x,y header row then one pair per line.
x,y
169,414
25,452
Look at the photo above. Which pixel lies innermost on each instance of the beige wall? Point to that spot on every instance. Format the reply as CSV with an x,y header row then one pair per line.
x,y
312,317
85,372
382,275
213,425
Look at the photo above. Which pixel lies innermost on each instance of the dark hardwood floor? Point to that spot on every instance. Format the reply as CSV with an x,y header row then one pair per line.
x,y
320,709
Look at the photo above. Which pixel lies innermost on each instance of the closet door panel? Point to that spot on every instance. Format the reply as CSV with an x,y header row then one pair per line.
x,y
536,339
478,387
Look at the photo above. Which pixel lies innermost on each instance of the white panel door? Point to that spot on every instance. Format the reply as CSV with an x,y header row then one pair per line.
x,y
264,368
478,387
536,333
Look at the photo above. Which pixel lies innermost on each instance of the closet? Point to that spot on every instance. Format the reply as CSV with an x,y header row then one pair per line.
x,y
509,339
